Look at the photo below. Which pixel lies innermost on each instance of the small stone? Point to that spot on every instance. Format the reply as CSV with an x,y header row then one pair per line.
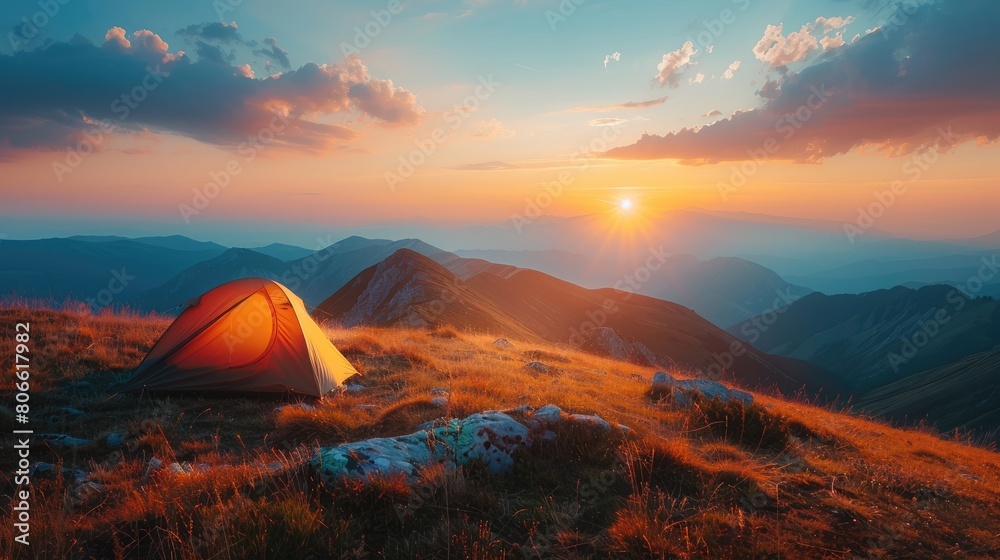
x,y
537,366
440,401
502,343
117,439
591,419
548,415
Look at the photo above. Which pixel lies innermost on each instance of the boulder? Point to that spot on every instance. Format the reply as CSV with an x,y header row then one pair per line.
x,y
537,366
680,390
551,415
591,419
548,415
606,341
117,439
502,343
489,438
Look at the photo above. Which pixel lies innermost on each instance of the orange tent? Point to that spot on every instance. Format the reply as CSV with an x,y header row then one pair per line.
x,y
248,335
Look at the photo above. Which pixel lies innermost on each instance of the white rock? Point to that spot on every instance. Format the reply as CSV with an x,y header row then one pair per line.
x,y
680,388
591,419
548,415
489,438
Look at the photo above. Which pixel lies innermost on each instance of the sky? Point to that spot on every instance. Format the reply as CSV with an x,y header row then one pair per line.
x,y
215,118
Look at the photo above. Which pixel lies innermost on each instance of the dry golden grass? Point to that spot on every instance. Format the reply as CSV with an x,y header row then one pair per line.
x,y
781,479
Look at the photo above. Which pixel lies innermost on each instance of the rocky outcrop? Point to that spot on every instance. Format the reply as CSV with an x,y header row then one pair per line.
x,y
488,438
681,391
606,341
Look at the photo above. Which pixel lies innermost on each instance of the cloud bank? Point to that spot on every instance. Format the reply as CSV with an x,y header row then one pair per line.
x,y
133,83
895,90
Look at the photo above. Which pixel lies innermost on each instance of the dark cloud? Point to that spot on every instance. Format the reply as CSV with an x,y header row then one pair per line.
x,y
53,96
212,31
275,53
212,53
927,72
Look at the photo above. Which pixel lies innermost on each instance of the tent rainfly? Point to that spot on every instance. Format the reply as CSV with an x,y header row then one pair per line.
x,y
249,335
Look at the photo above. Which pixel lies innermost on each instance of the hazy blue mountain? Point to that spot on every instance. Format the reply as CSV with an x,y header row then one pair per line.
x,y
104,271
283,252
202,277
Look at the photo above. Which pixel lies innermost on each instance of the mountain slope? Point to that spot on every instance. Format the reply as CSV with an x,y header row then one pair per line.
x,y
410,289
317,276
779,479
962,394
879,337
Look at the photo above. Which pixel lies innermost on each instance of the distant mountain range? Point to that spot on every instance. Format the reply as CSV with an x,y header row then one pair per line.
x,y
105,271
724,290
409,289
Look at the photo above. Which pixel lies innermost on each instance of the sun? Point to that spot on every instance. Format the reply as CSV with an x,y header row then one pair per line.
x,y
625,204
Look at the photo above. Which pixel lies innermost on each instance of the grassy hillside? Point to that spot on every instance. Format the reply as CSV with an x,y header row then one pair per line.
x,y
778,479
